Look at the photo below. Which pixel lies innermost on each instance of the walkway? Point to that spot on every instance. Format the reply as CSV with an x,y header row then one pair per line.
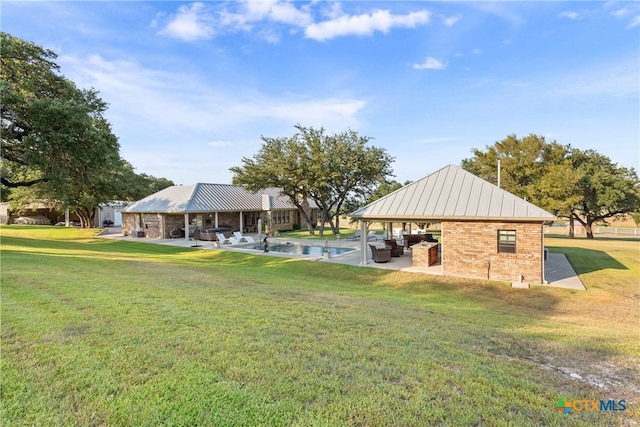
x,y
558,271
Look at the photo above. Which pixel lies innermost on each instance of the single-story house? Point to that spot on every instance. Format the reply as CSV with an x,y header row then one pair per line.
x,y
486,232
176,211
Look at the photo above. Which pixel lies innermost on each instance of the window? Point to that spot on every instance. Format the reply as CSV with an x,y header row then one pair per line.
x,y
280,217
507,241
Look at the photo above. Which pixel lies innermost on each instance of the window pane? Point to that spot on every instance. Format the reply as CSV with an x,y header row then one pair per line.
x,y
507,241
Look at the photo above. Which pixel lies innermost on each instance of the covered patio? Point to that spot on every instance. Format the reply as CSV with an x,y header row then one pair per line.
x,y
486,232
177,211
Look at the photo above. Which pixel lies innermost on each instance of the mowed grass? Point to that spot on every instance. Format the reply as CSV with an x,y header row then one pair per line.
x,y
103,332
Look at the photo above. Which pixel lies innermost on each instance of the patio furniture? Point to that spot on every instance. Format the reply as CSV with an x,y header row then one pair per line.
x,y
355,236
396,250
238,235
210,233
380,255
373,235
222,239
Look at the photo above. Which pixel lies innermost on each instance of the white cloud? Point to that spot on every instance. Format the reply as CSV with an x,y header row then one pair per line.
x,y
274,11
203,21
281,12
431,64
634,23
163,117
570,15
190,23
158,103
452,20
364,24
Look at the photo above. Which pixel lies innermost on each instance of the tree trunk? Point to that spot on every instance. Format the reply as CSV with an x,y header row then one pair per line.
x,y
303,214
323,218
589,228
85,218
572,229
333,226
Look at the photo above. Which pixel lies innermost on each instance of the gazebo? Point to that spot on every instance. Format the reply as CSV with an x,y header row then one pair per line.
x,y
486,232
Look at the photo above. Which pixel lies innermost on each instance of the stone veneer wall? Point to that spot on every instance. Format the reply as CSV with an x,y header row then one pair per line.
x,y
151,224
129,222
470,249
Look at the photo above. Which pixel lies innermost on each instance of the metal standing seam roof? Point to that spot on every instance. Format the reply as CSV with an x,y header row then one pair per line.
x,y
452,193
203,197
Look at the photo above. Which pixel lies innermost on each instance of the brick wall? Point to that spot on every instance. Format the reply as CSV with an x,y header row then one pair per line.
x,y
470,249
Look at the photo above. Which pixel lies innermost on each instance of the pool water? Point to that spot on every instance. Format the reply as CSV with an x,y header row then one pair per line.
x,y
300,249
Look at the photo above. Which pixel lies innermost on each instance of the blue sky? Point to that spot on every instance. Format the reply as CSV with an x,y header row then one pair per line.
x,y
192,86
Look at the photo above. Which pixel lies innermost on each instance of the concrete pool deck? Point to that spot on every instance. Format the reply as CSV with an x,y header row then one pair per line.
x,y
558,271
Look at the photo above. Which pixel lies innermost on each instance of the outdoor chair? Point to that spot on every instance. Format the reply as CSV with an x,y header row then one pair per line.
x,y
396,250
355,236
380,255
373,235
226,240
238,235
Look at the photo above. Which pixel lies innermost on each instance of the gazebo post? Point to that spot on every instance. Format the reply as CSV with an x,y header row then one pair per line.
x,y
363,243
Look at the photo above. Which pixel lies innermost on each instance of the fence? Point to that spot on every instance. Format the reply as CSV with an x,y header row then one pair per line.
x,y
617,231
580,230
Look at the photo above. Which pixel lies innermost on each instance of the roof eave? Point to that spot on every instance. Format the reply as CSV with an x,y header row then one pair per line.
x,y
450,218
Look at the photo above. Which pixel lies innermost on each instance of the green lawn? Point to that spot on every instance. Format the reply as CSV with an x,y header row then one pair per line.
x,y
104,332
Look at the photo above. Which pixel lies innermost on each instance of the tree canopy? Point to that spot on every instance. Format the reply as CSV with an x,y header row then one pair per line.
x,y
583,186
326,168
57,145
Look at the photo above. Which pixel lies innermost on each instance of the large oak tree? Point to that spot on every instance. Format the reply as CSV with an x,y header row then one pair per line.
x,y
57,146
326,168
582,186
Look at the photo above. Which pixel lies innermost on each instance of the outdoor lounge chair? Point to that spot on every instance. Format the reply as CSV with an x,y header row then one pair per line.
x,y
355,236
396,250
373,235
226,240
380,255
238,235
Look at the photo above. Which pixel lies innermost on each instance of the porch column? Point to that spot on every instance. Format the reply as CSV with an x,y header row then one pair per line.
x,y
241,224
363,243
216,220
442,248
544,279
186,226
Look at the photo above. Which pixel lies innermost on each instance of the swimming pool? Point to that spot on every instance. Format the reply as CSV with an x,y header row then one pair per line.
x,y
299,249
